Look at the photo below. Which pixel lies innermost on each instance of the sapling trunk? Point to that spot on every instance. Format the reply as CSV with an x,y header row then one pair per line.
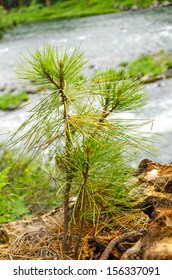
x,y
65,103
66,212
84,200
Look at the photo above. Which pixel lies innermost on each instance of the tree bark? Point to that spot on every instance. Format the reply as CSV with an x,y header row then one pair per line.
x,y
126,236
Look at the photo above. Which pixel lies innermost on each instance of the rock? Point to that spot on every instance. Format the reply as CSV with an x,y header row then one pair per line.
x,y
155,4
153,205
32,89
2,88
134,8
159,175
12,107
116,6
124,7
166,3
150,78
91,66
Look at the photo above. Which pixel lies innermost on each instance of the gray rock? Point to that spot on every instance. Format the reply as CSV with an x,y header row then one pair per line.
x,y
155,4
134,8
166,3
116,6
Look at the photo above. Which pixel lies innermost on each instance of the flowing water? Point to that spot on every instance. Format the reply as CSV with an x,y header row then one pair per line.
x,y
106,40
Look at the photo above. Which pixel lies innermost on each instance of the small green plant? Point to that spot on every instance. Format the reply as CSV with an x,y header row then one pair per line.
x,y
152,67
12,205
11,100
78,123
25,188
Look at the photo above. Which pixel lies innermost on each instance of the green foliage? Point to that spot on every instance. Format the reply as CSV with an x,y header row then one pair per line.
x,y
169,65
120,90
127,4
12,205
66,9
2,11
25,188
78,123
4,178
153,66
11,100
139,3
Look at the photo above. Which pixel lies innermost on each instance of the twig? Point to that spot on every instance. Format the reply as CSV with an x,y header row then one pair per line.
x,y
126,236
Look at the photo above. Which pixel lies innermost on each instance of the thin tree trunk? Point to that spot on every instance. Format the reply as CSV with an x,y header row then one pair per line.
x,y
83,209
2,3
48,3
67,155
66,213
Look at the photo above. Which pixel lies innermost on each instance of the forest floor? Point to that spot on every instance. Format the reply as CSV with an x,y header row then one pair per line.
x,y
148,235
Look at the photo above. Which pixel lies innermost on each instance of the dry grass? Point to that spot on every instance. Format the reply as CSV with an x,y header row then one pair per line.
x,y
45,243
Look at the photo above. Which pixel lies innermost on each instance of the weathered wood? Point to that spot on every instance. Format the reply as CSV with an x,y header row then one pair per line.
x,y
10,231
157,174
156,244
129,236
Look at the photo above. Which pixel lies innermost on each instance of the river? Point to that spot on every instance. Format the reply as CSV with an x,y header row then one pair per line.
x,y
106,40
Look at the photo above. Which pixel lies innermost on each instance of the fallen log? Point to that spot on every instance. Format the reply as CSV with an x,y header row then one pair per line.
x,y
156,244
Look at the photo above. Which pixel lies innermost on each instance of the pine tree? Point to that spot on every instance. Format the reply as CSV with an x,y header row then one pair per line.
x,y
77,121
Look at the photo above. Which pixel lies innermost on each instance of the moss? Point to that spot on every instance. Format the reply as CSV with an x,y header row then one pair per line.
x,y
10,100
149,67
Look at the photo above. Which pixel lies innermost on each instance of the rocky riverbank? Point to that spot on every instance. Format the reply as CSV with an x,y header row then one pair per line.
x,y
35,13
